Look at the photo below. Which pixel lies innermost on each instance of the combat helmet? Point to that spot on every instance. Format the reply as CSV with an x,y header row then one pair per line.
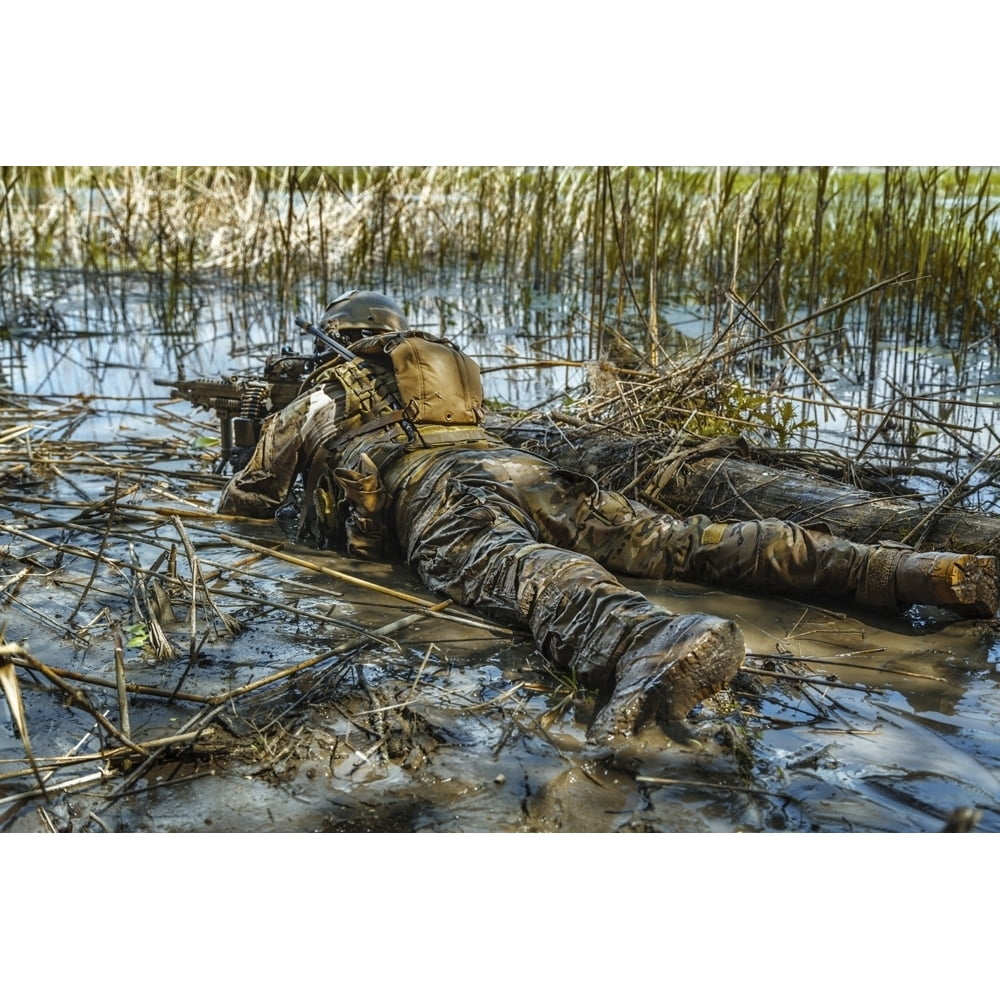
x,y
358,314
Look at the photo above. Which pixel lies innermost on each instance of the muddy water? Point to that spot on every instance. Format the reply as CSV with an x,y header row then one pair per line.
x,y
841,723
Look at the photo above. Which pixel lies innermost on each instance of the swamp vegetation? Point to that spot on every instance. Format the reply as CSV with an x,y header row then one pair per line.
x,y
165,668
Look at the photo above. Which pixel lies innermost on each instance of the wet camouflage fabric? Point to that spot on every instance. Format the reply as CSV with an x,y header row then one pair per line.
x,y
288,439
505,532
509,534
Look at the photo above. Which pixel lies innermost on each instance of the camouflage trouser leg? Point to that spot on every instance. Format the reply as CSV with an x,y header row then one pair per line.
x,y
765,555
465,531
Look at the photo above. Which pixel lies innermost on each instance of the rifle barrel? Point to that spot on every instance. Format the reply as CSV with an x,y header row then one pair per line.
x,y
316,332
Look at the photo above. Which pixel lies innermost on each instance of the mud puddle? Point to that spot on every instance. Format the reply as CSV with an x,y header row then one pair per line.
x,y
180,671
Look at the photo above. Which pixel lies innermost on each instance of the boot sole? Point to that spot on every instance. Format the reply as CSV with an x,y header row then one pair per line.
x,y
973,581
701,660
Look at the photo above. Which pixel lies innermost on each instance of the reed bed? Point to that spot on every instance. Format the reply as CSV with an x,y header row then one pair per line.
x,y
622,244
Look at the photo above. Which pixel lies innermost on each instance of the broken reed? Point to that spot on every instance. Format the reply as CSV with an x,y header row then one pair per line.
x,y
617,242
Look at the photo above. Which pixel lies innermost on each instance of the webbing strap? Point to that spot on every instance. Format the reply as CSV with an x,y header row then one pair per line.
x,y
878,584
395,417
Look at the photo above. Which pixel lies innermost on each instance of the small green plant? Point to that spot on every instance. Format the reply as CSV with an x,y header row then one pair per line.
x,y
780,417
138,635
755,415
205,448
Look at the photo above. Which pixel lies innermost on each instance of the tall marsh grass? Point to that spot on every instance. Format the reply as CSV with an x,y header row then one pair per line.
x,y
621,244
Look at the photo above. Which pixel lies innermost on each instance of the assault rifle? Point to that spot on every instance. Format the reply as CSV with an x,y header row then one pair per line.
x,y
242,404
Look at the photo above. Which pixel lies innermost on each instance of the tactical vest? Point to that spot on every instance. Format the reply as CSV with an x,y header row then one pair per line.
x,y
421,392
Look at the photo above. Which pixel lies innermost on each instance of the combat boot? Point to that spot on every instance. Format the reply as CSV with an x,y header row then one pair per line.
x,y
965,584
663,676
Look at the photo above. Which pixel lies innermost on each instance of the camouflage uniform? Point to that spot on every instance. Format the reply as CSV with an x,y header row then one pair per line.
x,y
526,543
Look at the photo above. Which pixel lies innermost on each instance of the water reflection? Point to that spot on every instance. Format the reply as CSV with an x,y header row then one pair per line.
x,y
889,724
70,332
